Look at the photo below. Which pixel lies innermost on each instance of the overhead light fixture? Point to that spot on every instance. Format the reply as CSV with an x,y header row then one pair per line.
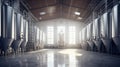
x,y
77,13
79,18
42,13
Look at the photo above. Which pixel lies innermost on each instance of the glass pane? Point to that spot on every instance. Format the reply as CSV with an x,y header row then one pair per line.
x,y
50,35
72,35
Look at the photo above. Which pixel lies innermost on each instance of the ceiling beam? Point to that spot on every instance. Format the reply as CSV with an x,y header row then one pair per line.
x,y
73,6
56,4
44,6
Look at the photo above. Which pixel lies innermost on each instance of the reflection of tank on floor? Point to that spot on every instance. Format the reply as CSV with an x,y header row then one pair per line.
x,y
61,39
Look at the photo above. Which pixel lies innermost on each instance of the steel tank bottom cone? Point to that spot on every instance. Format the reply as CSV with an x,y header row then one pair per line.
x,y
16,44
6,43
117,43
85,46
92,45
23,45
99,45
107,43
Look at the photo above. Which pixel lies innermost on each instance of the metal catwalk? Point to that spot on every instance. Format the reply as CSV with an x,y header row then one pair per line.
x,y
60,58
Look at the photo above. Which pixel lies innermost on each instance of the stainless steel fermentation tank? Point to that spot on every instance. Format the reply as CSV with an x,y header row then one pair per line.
x,y
84,43
37,38
90,37
0,25
24,35
80,39
7,27
116,26
18,32
106,30
96,35
31,36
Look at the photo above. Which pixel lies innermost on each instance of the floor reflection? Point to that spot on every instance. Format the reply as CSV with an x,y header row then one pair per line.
x,y
60,58
71,56
50,59
63,60
72,60
70,52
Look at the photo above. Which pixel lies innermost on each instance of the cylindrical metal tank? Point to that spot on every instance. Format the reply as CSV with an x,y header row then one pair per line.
x,y
31,36
18,26
25,35
116,25
0,27
43,39
84,43
106,27
40,39
36,36
88,31
90,37
96,34
7,27
80,39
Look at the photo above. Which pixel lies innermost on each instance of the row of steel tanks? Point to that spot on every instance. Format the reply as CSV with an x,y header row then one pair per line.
x,y
103,33
14,30
36,37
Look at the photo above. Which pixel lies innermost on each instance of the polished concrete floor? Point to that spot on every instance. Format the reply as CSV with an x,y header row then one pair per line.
x,y
60,58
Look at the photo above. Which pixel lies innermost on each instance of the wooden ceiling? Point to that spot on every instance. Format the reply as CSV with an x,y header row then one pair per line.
x,y
60,8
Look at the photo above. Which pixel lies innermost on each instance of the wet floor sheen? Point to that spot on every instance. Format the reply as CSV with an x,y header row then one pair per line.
x,y
60,58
